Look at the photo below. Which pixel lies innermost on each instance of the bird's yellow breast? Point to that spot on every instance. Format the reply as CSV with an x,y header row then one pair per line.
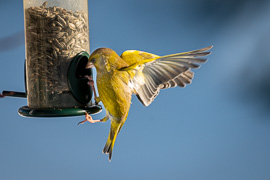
x,y
114,92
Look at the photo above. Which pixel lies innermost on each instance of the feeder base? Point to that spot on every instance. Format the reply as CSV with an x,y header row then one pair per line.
x,y
25,111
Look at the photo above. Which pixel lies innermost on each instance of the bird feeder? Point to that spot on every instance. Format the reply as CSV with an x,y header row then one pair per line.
x,y
56,46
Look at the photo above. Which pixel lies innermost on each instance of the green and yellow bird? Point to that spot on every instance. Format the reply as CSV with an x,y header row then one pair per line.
x,y
138,72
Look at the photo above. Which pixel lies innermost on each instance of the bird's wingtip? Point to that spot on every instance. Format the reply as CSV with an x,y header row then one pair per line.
x,y
208,48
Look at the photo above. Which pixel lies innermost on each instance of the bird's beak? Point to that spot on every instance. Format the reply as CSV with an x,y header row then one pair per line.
x,y
89,65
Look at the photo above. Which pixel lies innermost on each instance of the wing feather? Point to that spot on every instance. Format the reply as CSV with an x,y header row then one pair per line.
x,y
161,72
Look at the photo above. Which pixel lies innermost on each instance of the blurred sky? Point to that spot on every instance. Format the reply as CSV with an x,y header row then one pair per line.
x,y
216,128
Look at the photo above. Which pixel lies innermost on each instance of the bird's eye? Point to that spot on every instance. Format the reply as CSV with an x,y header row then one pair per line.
x,y
93,60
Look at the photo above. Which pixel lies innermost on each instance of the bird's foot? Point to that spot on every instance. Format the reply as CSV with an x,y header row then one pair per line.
x,y
89,119
92,85
1,96
90,80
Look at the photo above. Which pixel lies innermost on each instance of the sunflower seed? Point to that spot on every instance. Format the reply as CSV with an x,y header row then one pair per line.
x,y
60,34
44,4
56,28
61,20
72,26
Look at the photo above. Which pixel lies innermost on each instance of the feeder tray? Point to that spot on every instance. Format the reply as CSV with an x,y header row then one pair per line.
x,y
30,112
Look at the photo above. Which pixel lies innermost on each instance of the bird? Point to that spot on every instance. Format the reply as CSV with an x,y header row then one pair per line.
x,y
136,72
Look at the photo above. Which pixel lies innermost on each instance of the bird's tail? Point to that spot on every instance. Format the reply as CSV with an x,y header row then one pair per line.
x,y
108,148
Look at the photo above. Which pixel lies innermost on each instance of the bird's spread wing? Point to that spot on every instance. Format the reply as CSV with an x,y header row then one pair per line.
x,y
149,73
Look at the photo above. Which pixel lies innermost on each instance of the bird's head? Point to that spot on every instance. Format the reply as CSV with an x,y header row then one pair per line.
x,y
105,59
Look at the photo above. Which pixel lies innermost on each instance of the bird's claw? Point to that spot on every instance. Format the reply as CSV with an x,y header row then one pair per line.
x,y
89,119
89,77
90,83
90,80
81,122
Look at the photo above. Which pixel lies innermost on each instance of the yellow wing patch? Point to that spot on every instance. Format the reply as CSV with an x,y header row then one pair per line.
x,y
149,73
132,57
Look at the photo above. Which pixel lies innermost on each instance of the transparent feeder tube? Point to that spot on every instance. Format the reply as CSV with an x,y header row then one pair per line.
x,y
55,32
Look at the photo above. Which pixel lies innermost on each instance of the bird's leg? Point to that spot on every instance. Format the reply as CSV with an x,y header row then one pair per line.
x,y
105,118
92,85
90,119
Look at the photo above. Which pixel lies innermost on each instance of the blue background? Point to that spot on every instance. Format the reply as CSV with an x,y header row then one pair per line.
x,y
216,128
